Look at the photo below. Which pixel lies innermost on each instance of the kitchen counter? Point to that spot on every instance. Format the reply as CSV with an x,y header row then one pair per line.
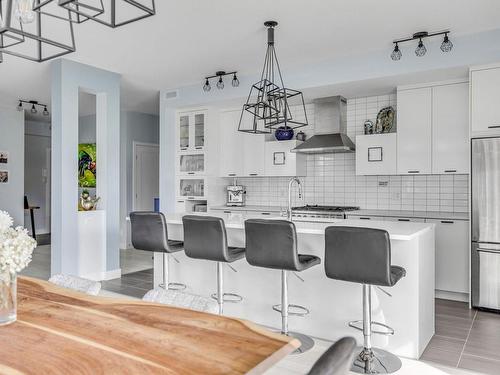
x,y
332,303
247,208
412,214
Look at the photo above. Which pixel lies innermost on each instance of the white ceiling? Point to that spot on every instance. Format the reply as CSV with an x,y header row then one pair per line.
x,y
189,39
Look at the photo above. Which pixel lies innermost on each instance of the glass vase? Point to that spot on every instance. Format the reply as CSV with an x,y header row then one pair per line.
x,y
8,298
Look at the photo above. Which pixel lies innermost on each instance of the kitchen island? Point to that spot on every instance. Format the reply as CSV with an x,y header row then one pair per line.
x,y
332,303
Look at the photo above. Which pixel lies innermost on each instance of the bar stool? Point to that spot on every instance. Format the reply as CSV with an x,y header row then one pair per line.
x,y
363,255
273,244
149,233
205,238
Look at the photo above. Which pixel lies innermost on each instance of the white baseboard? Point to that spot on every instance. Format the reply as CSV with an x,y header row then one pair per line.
x,y
453,296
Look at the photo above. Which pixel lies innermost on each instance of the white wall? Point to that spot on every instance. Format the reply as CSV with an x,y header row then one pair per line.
x,y
37,173
12,140
68,77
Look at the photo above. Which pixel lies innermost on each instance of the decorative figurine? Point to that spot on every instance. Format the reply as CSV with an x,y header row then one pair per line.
x,y
88,203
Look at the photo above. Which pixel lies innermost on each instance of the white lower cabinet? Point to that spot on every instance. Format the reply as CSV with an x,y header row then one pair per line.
x,y
406,219
452,255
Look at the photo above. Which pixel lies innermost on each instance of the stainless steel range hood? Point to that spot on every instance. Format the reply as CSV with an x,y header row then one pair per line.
x,y
330,122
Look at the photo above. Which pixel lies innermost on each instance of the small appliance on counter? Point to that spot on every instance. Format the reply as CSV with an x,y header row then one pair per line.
x,y
235,195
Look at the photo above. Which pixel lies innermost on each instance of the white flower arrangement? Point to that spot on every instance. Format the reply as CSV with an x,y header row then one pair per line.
x,y
16,246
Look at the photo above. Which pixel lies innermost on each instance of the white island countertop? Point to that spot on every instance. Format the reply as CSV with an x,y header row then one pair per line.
x,y
401,231
332,303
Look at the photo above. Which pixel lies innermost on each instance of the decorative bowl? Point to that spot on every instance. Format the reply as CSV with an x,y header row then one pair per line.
x,y
283,133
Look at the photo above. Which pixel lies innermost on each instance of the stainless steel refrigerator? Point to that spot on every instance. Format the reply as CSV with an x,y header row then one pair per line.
x,y
485,235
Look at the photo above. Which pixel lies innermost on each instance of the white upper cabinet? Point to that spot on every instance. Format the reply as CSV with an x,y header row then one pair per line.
x,y
279,161
485,101
450,129
376,154
190,132
231,142
253,154
414,129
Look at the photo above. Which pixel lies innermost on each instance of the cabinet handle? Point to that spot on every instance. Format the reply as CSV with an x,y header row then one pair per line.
x,y
190,172
227,212
403,219
231,174
198,148
494,127
447,222
253,174
265,213
450,171
364,218
183,148
180,201
413,171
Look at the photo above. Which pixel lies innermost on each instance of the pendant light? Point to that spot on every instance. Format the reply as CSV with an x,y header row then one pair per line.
x,y
33,41
111,13
23,11
269,101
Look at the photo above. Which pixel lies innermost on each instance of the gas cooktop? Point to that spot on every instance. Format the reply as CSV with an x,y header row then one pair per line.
x,y
317,208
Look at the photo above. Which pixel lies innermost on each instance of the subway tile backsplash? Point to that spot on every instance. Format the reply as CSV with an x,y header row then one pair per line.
x,y
331,178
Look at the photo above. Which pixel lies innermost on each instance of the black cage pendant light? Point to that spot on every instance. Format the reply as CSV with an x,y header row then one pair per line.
x,y
112,13
32,35
269,102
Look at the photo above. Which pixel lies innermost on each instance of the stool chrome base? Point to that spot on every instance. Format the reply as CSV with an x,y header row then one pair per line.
x,y
228,297
173,286
375,361
306,343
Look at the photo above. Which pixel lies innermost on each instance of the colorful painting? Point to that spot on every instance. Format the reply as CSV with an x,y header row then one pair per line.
x,y
87,165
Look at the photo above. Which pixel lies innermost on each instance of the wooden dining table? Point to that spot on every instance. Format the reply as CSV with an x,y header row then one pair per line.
x,y
60,331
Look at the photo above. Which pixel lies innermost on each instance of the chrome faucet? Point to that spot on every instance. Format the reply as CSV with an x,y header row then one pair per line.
x,y
290,184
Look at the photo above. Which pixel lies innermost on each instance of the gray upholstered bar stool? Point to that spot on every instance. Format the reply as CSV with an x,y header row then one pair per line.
x,y
363,255
273,244
205,238
149,233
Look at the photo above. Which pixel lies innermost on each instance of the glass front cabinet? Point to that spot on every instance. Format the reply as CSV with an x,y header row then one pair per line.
x,y
191,131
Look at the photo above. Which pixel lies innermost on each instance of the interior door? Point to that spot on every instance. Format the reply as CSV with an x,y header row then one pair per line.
x,y
146,176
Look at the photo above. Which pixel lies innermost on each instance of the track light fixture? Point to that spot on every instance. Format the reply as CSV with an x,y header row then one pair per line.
x,y
34,104
421,50
220,82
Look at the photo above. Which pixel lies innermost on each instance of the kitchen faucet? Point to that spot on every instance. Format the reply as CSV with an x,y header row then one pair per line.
x,y
290,184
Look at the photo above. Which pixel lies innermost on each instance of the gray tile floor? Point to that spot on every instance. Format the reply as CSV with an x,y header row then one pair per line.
x,y
467,339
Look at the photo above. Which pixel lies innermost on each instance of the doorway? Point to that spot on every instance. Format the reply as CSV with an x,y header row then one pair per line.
x,y
145,176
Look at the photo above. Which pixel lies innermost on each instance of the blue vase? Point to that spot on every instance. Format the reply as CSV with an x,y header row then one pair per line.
x,y
283,133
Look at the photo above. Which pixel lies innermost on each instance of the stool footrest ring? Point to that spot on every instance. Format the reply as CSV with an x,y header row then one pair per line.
x,y
174,286
229,297
295,310
358,324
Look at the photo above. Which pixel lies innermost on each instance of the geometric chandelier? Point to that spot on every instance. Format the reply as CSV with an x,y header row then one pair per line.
x,y
112,13
269,102
24,32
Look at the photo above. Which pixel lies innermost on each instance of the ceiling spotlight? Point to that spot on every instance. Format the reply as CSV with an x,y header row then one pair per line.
x,y
33,109
447,45
396,54
45,111
420,50
235,82
220,83
20,106
206,86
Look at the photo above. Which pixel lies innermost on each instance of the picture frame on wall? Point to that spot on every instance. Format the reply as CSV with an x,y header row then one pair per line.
x,y
4,157
4,177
